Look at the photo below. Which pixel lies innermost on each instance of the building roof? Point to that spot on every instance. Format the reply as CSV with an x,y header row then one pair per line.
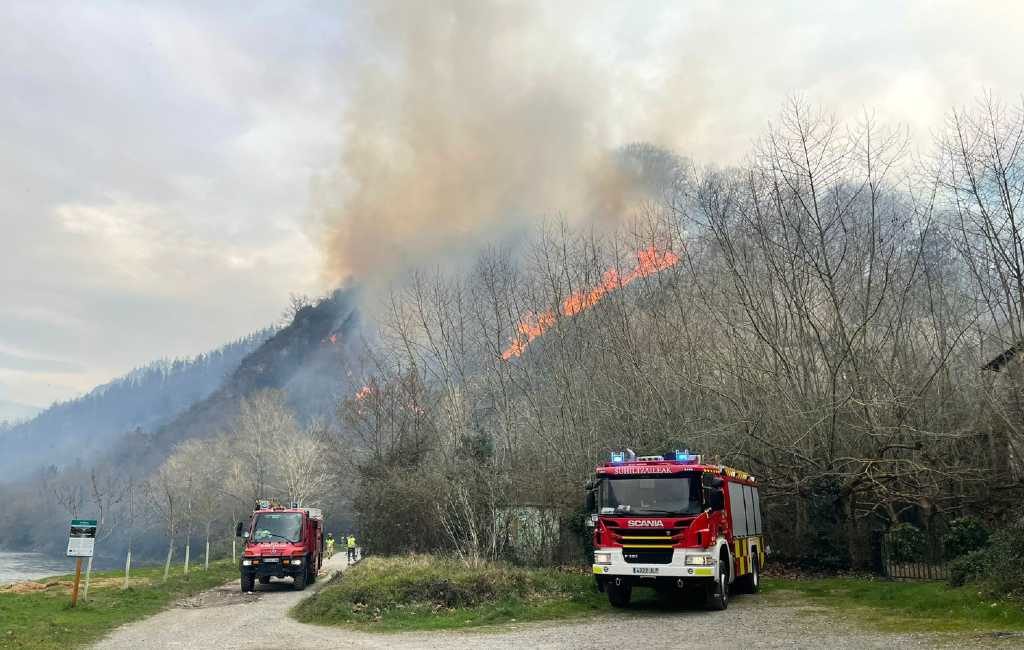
x,y
1005,357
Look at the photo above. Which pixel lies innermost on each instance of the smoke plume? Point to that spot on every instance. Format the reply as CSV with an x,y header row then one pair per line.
x,y
466,122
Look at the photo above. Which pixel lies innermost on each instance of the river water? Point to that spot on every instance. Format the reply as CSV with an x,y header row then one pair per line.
x,y
15,567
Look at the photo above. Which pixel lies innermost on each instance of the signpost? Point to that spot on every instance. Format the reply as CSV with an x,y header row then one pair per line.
x,y
81,541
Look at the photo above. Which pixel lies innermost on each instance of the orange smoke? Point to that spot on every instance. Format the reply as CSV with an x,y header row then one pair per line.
x,y
649,261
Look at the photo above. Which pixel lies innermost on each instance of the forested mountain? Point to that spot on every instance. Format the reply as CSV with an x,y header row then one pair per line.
x,y
311,364
314,360
144,399
12,413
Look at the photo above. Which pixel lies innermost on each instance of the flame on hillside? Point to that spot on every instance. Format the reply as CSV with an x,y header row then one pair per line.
x,y
649,261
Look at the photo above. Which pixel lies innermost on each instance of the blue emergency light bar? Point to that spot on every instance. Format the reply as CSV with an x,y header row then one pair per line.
x,y
619,457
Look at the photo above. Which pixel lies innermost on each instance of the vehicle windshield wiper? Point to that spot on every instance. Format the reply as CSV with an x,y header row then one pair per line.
x,y
281,536
658,511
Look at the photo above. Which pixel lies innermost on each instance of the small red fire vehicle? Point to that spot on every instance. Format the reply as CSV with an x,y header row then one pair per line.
x,y
672,522
281,542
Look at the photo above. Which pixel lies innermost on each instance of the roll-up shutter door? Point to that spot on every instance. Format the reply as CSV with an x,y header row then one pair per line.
x,y
757,512
748,499
736,505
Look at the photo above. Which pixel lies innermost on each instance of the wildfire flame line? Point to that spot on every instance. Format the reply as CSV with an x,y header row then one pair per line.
x,y
532,324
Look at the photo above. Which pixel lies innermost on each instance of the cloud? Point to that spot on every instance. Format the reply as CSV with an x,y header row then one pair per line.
x,y
161,160
14,361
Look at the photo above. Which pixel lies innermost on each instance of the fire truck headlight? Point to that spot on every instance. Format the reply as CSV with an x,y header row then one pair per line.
x,y
700,560
246,562
602,558
297,561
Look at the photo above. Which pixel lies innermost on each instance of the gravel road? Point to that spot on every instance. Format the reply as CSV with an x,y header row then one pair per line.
x,y
226,618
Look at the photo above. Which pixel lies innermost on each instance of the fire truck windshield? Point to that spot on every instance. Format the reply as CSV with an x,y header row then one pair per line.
x,y
669,495
284,526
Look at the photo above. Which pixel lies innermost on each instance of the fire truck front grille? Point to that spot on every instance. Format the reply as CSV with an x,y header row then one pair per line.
x,y
647,556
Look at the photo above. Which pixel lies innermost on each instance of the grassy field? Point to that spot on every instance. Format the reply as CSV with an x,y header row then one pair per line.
x,y
43,618
902,606
431,593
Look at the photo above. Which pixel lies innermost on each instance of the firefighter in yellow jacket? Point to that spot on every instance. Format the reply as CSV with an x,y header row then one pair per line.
x,y
351,544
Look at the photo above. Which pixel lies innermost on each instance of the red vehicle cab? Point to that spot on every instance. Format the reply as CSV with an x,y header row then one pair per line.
x,y
674,523
281,542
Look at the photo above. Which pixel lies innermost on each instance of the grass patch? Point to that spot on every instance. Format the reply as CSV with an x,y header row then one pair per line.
x,y
896,606
432,593
44,619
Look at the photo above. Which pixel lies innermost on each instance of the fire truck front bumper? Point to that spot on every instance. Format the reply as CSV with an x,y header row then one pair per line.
x,y
611,563
273,567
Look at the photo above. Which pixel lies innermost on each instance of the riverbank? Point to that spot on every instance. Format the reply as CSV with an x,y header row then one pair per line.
x,y
37,615
19,566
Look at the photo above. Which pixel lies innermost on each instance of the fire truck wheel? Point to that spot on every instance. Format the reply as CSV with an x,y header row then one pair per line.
x,y
619,596
248,583
718,595
264,580
300,579
751,583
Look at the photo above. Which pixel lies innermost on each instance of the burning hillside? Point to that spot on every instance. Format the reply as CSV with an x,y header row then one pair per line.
x,y
650,260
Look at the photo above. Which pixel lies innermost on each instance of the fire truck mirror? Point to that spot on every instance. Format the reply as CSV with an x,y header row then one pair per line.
x,y
591,502
717,499
238,530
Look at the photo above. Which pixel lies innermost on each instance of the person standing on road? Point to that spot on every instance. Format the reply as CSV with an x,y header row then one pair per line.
x,y
351,543
330,546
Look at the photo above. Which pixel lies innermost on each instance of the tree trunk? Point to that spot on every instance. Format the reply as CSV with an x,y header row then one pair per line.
x,y
127,566
206,559
188,548
170,552
234,552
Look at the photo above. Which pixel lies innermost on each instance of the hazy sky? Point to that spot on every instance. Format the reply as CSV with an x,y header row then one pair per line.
x,y
158,159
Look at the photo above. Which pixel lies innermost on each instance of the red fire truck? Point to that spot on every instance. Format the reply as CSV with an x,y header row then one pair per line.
x,y
673,522
281,542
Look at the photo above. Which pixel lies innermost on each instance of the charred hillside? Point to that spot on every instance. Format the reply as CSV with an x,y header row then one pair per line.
x,y
311,359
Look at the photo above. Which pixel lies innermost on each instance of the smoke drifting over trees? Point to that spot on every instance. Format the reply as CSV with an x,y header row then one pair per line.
x,y
827,329
468,122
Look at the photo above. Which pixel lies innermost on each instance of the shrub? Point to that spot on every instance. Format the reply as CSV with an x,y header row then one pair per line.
x,y
964,536
379,585
907,543
969,567
1005,563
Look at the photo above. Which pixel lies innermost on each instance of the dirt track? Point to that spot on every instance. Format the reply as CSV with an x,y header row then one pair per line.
x,y
226,618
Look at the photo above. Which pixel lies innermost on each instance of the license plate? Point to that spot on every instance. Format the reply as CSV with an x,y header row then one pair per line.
x,y
645,569
271,559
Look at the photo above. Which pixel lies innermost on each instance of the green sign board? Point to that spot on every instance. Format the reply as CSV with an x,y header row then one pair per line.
x,y
82,538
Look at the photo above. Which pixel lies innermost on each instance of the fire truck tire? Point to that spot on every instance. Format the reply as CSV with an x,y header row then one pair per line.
x,y
264,580
248,583
718,594
619,596
750,583
311,573
300,579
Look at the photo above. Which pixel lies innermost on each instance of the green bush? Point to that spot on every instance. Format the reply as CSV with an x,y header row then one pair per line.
x,y
378,586
998,568
907,543
964,536
970,567
1005,563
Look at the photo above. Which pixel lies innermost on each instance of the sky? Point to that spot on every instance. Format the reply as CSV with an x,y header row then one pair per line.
x,y
165,165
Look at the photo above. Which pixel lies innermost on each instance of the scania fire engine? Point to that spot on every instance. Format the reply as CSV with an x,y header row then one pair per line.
x,y
673,522
281,542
